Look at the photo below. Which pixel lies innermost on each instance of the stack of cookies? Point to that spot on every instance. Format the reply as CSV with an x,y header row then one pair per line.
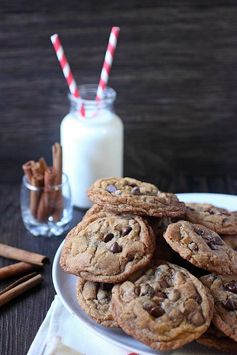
x,y
159,269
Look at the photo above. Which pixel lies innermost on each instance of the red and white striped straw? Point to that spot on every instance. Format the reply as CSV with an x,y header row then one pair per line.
x,y
66,69
109,56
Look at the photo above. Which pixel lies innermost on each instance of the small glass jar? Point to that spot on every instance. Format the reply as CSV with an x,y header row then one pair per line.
x,y
92,145
46,212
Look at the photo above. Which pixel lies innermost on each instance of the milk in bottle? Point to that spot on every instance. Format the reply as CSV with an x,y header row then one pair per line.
x,y
92,145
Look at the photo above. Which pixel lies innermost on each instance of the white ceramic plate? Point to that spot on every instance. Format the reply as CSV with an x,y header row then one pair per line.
x,y
65,287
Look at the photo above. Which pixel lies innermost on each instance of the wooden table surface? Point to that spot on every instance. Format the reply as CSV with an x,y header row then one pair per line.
x,y
175,72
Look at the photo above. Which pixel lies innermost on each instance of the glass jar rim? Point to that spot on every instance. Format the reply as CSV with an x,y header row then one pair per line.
x,y
88,96
56,187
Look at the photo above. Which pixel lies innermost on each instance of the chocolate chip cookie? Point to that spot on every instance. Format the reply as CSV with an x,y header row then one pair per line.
x,y
165,308
93,210
215,339
202,247
127,195
230,240
108,248
224,292
95,299
217,219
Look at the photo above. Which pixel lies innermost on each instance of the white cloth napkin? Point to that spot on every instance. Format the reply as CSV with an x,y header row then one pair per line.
x,y
62,333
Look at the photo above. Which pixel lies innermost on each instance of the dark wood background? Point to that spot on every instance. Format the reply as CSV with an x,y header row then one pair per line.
x,y
175,72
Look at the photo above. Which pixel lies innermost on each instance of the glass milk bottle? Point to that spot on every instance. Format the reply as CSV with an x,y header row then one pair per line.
x,y
92,145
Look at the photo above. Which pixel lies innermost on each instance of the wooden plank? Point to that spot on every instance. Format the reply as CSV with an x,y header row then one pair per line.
x,y
174,72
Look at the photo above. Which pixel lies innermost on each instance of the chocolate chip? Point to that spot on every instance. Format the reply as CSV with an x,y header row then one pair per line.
x,y
137,290
125,231
231,286
163,283
212,241
130,257
111,188
160,294
215,242
155,311
132,184
230,304
210,211
149,305
115,248
213,245
147,290
135,190
193,246
199,231
108,237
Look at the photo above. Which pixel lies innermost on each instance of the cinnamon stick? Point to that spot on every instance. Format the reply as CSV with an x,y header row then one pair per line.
x,y
43,165
23,255
39,167
34,172
17,288
27,168
15,269
58,206
57,165
47,199
37,181
18,282
57,162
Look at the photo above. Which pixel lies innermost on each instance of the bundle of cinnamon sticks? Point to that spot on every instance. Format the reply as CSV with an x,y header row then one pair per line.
x,y
46,193
28,261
